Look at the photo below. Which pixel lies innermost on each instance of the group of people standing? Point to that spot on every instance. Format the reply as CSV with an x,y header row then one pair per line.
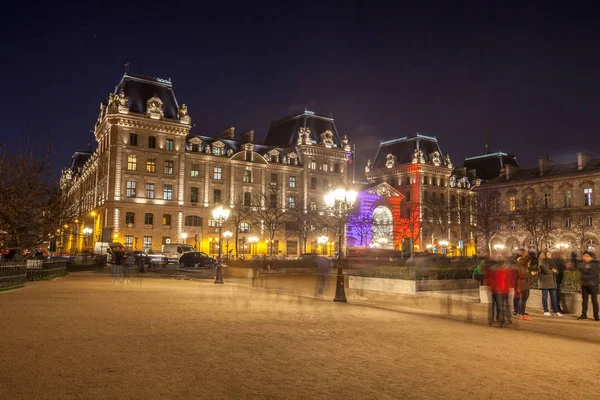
x,y
519,272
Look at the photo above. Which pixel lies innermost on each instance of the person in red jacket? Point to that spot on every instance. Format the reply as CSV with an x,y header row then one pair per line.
x,y
499,282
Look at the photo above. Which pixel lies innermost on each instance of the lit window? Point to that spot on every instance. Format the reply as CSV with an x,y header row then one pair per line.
x,y
512,203
513,225
313,164
587,197
131,192
168,192
547,200
131,162
151,165
149,190
313,205
244,227
169,145
292,181
211,222
529,201
195,173
217,173
166,220
589,221
147,242
247,176
217,151
169,167
567,222
325,167
129,241
292,202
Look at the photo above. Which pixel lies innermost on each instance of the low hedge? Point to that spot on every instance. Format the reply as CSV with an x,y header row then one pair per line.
x,y
437,272
570,283
45,274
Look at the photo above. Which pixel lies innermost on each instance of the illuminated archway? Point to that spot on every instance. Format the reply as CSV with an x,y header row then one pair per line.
x,y
382,227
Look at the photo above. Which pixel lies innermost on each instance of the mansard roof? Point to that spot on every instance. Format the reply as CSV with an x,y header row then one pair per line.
x,y
488,166
403,149
284,132
562,170
79,159
237,146
140,88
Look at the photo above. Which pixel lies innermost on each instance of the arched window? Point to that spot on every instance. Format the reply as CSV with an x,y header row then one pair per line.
x,y
382,227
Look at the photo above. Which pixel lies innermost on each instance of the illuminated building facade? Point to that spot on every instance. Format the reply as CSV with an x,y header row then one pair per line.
x,y
152,181
430,204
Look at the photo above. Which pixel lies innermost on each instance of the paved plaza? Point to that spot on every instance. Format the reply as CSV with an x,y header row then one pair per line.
x,y
81,337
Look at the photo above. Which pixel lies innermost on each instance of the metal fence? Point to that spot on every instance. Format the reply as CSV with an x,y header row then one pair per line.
x,y
46,270
12,275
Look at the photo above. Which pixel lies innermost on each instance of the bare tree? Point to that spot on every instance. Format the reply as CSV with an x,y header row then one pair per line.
x,y
361,224
461,210
301,222
535,219
239,213
268,210
436,218
583,231
411,225
487,216
30,202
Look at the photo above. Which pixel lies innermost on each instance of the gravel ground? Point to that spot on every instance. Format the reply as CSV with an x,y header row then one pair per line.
x,y
81,337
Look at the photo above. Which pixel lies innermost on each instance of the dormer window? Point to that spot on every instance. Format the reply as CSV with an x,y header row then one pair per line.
x,y
195,148
218,151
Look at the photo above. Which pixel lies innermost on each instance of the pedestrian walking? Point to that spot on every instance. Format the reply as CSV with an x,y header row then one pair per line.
x,y
499,282
589,284
323,270
560,265
513,263
547,282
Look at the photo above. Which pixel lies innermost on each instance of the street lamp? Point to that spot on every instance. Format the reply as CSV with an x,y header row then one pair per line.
x,y
253,240
227,235
382,241
220,215
184,237
86,232
338,204
322,240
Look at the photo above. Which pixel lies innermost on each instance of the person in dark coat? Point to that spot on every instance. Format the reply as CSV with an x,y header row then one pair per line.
x,y
560,265
589,284
547,282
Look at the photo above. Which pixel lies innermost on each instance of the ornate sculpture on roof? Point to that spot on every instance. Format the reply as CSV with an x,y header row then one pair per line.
x,y
383,190
452,181
183,115
207,149
304,136
435,158
154,108
418,157
101,114
368,166
390,160
345,143
229,152
447,161
327,139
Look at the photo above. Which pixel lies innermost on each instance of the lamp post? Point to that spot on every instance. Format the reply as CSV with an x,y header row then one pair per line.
x,y
444,244
184,237
220,215
322,240
253,240
382,242
86,232
339,203
227,235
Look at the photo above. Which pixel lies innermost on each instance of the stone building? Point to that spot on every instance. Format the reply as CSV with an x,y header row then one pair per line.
x,y
151,181
436,198
553,206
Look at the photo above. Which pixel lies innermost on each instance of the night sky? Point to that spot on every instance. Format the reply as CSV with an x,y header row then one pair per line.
x,y
524,78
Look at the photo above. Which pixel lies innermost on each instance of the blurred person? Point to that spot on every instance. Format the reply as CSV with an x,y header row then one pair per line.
x,y
513,263
560,265
547,283
117,261
524,285
499,282
589,284
478,271
323,270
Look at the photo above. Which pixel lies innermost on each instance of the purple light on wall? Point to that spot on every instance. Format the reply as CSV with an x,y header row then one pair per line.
x,y
366,205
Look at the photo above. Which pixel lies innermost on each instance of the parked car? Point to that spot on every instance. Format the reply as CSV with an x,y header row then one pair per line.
x,y
196,259
173,251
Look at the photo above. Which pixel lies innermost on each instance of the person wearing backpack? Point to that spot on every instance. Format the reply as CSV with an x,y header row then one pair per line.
x,y
478,271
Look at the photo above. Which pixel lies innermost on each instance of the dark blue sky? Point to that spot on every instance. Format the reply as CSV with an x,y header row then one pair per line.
x,y
525,76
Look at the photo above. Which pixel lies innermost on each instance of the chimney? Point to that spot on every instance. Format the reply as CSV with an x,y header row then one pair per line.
x,y
544,164
228,133
582,160
248,137
510,171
